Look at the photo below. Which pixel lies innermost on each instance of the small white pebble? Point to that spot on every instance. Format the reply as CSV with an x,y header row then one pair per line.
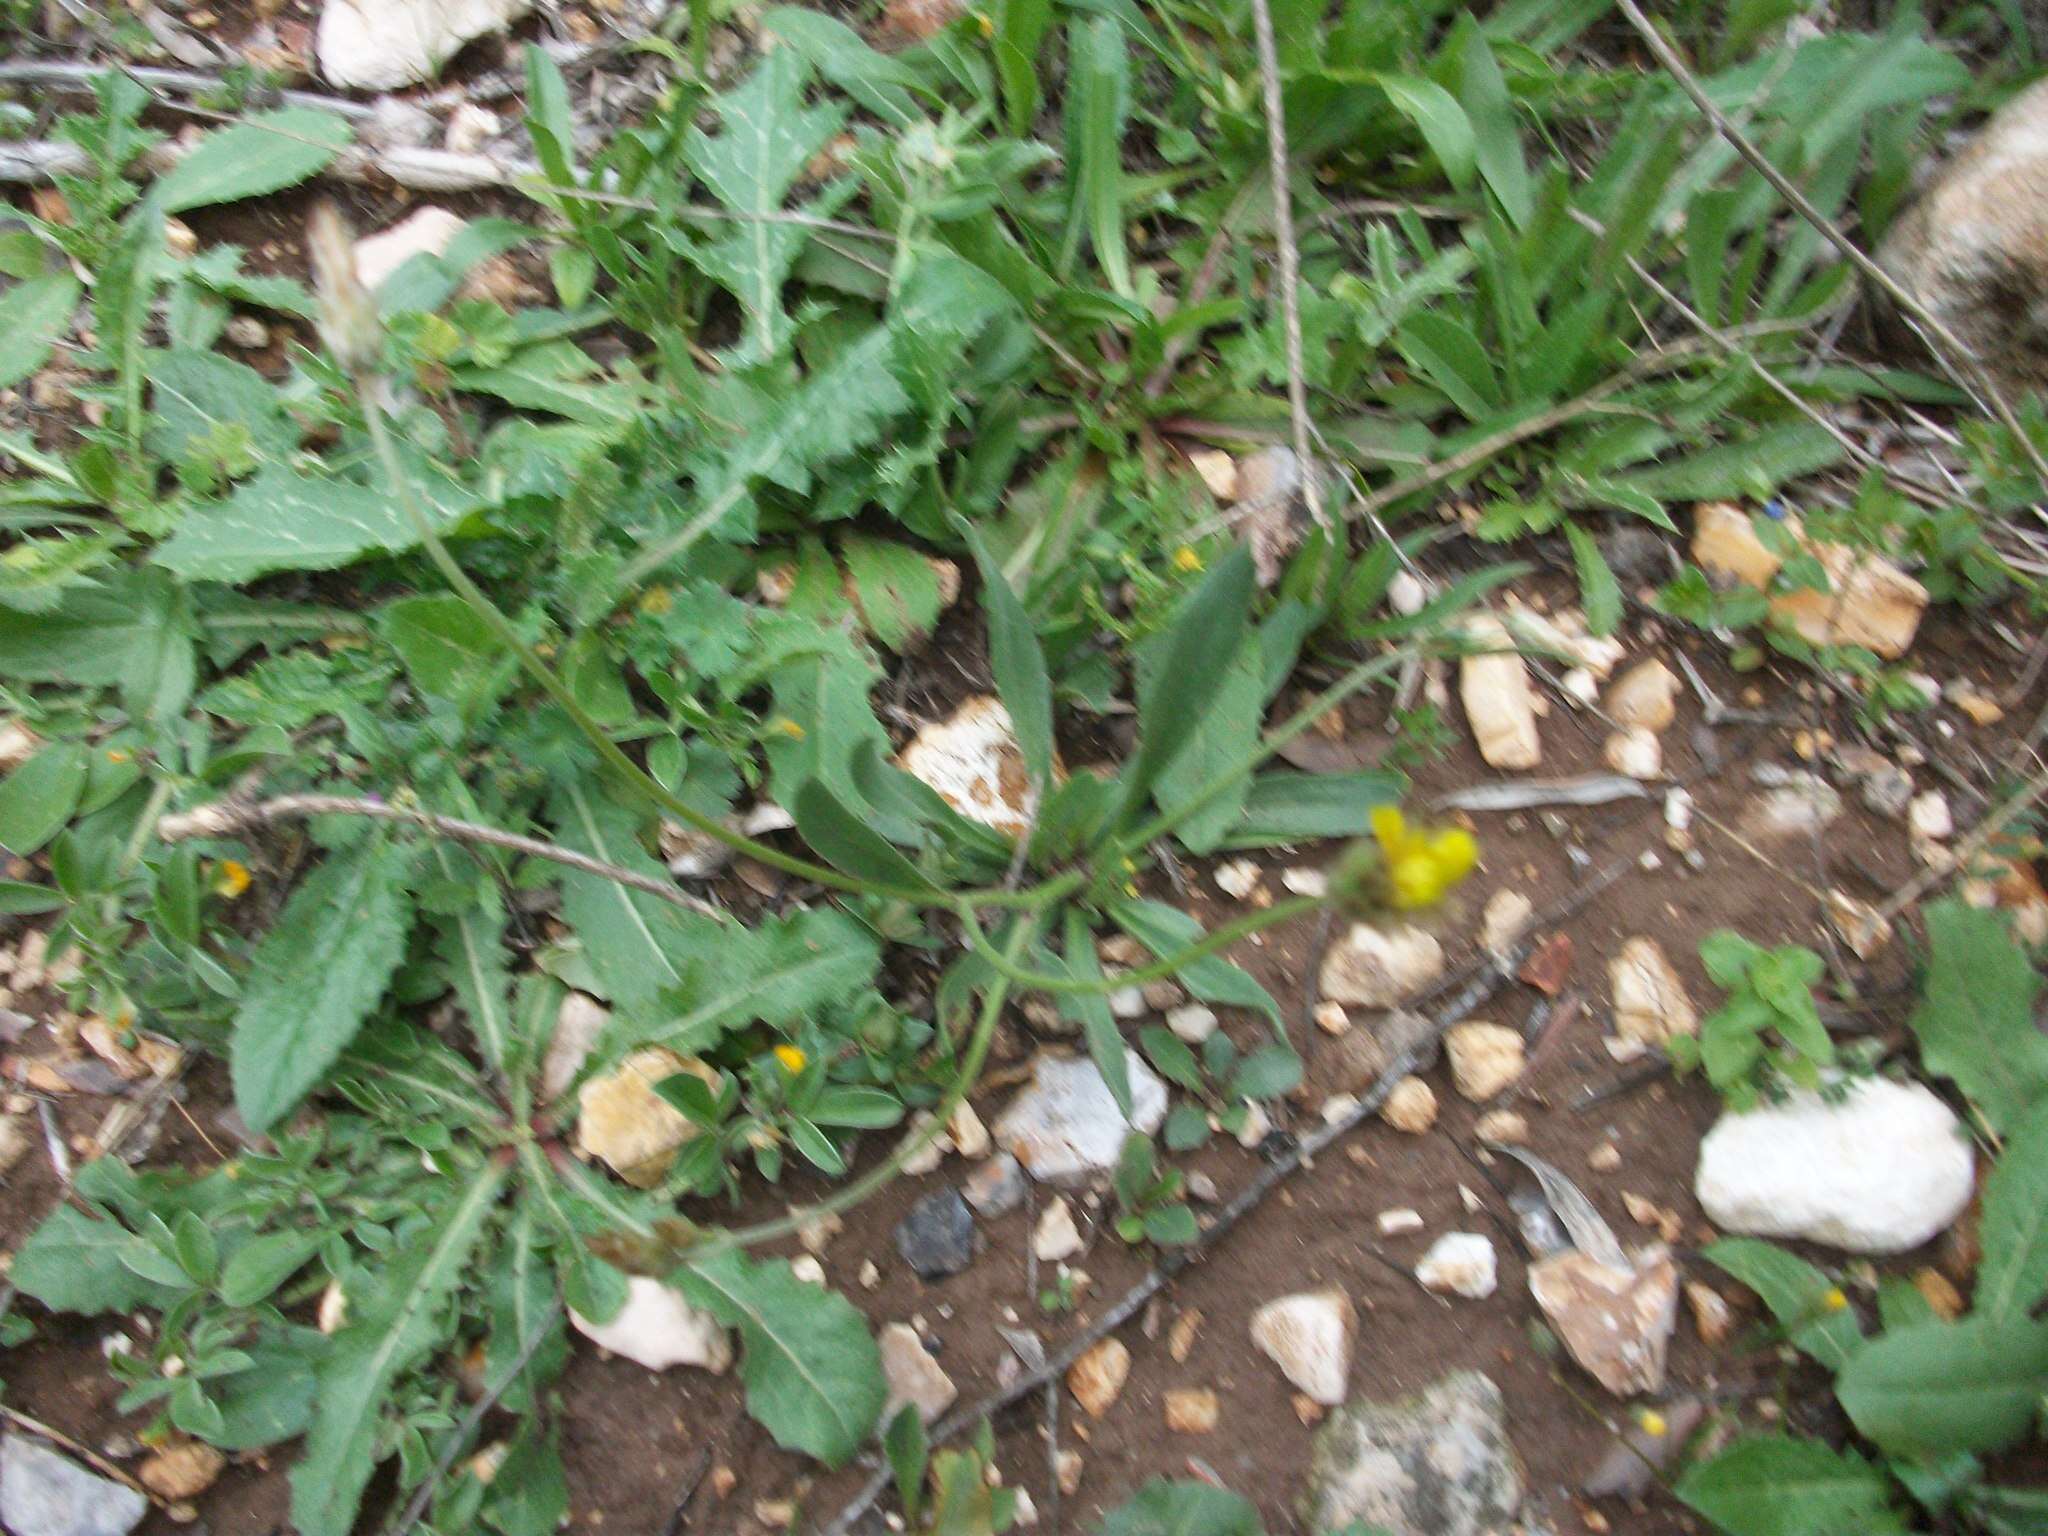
x,y
1305,882
1393,1223
1239,878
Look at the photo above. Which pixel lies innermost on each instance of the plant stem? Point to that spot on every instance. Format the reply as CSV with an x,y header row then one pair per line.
x,y
1209,944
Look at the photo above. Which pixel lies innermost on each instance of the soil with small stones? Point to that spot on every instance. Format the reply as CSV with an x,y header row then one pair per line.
x,y
637,1442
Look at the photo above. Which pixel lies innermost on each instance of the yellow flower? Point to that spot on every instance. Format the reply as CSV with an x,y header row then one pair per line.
x,y
1186,559
791,1058
1421,867
789,728
1834,1301
987,24
1652,1423
116,755
231,878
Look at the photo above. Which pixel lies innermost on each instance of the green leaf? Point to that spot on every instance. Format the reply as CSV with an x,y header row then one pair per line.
x,y
272,1399
1091,1010
33,315
1017,660
1163,1508
907,1448
264,152
448,650
1598,590
847,843
1975,1385
1754,466
1171,1226
1191,660
1975,1021
1450,357
1774,1485
1303,807
1496,143
1098,99
199,398
262,1265
317,975
855,1108
37,799
473,948
76,1263
281,521
1020,27
1796,1293
1439,119
2014,1229
1166,930
397,1325
549,121
813,1375
787,969
135,631
895,586
1233,705
1267,1072
19,898
558,377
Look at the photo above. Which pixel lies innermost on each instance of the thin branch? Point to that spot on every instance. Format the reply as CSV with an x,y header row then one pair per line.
x,y
1954,355
1290,257
232,817
80,78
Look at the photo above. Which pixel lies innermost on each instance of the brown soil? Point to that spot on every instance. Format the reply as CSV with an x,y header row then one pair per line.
x,y
634,1440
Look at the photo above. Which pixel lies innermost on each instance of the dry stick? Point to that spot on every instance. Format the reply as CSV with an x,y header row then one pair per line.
x,y
417,1505
1290,257
78,77
231,817
1954,355
1968,849
1490,974
1916,490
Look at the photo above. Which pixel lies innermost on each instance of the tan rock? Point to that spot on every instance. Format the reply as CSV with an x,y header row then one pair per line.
x,y
1056,1237
1098,1377
1616,1323
1218,471
1712,1317
1724,543
1869,602
1974,246
1180,1337
1861,926
1375,968
1502,1128
1645,696
1331,1018
914,1377
1460,1264
973,762
17,745
1410,1107
1634,753
1939,1292
969,1136
1506,916
1192,1410
1980,707
1500,703
181,1471
1650,1001
428,231
1485,1058
622,1121
1067,1469
1308,1335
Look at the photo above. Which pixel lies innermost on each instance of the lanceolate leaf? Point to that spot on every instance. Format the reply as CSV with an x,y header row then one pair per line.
x,y
282,521
1018,662
1098,96
473,946
1775,1485
318,973
1976,1019
792,965
1166,930
396,1327
265,152
1939,1388
1091,1009
813,1375
1796,1293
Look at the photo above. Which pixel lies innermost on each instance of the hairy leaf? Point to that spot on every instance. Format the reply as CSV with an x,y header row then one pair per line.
x,y
1975,1021
264,152
32,316
2014,1230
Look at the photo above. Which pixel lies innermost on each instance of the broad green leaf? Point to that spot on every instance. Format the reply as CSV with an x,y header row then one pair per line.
x,y
1191,661
37,799
1796,1293
1975,1385
1302,807
1018,662
847,843
1020,27
135,630
1092,1012
895,586
396,1326
262,1265
1448,355
813,1375
558,377
788,968
1775,1485
281,521
854,1108
448,650
316,976
1975,1022
33,315
1439,119
2014,1230
1163,1508
1098,99
1753,467
1166,930
197,398
76,1263
1496,144
272,1398
264,152
1226,723
1267,1072
529,1493
641,948
1598,590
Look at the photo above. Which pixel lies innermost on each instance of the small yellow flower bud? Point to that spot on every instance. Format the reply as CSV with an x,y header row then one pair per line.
x,y
791,1058
231,878
1835,1301
1186,558
1652,1423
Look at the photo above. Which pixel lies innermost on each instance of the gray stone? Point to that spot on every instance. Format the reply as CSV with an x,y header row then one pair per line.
x,y
937,1238
44,1494
1065,1127
1434,1464
1887,790
996,1187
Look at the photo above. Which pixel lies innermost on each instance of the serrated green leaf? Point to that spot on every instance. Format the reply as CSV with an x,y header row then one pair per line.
x,y
1599,592
2014,1229
473,948
1774,1485
1939,1388
281,521
396,1326
813,1374
558,377
448,650
1975,1022
788,968
264,152
76,1263
316,976
895,586
33,315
